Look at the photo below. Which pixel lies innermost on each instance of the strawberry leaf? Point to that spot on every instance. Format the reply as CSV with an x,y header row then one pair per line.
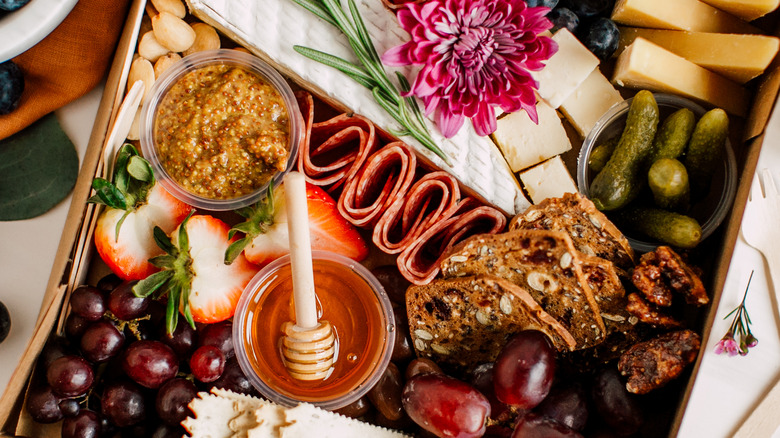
x,y
183,240
119,224
163,261
164,242
185,298
235,249
140,169
107,194
171,317
152,283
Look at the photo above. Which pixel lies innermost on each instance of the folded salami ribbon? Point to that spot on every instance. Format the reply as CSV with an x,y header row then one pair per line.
x,y
420,261
333,151
433,197
385,178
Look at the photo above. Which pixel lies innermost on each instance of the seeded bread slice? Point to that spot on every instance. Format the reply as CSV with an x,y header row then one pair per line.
x,y
546,264
466,321
591,231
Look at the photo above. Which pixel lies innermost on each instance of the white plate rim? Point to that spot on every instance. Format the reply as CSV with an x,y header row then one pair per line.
x,y
27,26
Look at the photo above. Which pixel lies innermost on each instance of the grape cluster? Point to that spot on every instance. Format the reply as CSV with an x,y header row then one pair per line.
x,y
588,20
116,372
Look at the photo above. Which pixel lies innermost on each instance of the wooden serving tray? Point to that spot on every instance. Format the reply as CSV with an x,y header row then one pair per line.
x,y
72,263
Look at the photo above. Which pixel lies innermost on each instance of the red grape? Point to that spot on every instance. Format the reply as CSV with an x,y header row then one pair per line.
x,y
123,303
70,376
387,393
123,403
567,405
86,424
55,348
75,326
43,405
524,370
88,302
150,363
421,365
182,340
207,363
101,341
108,283
445,406
234,379
219,335
537,426
356,409
172,399
70,407
166,431
615,404
482,379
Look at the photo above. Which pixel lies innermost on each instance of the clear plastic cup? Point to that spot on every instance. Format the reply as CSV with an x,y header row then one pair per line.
x,y
349,297
192,63
710,211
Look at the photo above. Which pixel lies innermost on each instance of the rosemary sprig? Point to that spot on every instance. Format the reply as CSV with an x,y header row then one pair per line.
x,y
371,73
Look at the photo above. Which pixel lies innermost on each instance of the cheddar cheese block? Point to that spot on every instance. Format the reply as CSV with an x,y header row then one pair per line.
x,y
691,15
589,102
549,179
745,9
644,65
525,143
736,57
566,69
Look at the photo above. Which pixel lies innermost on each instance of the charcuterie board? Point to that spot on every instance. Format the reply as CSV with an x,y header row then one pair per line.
x,y
411,209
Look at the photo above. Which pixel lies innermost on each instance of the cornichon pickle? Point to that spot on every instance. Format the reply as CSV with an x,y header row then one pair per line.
x,y
668,181
673,134
705,150
600,154
665,226
622,177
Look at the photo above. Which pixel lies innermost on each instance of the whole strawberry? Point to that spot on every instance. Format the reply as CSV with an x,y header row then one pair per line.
x,y
136,204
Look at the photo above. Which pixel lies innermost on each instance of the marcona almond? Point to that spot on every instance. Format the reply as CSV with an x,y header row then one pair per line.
x,y
150,48
172,32
141,70
164,62
206,38
542,282
175,7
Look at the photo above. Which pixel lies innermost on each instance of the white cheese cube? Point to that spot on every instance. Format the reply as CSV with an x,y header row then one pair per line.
x,y
550,179
589,102
525,143
566,69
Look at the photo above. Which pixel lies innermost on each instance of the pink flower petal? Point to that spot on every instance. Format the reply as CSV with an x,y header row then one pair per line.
x,y
449,123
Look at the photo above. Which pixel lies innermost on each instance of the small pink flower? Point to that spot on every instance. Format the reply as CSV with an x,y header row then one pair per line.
x,y
476,54
727,345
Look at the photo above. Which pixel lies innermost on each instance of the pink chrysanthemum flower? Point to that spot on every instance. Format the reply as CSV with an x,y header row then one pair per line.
x,y
476,54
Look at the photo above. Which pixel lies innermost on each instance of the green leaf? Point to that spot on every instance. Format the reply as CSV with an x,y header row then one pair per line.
x,y
164,242
365,38
172,310
38,169
119,224
235,248
185,299
152,283
140,169
163,261
107,194
183,241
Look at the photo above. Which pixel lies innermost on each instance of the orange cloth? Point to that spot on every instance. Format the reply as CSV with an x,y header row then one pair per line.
x,y
68,63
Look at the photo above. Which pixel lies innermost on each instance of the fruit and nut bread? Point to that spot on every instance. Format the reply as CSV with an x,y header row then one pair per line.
x,y
590,230
545,264
466,321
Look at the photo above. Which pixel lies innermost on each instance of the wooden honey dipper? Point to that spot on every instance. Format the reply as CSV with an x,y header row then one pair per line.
x,y
308,346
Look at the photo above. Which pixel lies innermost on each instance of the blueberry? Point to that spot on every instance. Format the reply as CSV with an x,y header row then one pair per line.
x,y
5,322
12,5
602,38
564,18
591,8
546,3
11,86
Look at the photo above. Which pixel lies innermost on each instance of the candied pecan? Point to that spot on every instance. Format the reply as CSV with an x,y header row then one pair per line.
x,y
649,313
652,364
663,272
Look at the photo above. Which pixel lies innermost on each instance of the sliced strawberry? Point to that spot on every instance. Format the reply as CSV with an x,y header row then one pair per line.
x,y
135,204
194,274
266,229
